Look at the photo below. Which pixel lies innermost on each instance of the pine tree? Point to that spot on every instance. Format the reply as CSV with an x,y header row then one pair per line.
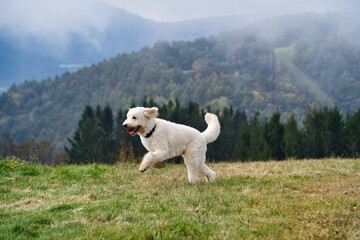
x,y
314,128
242,147
274,132
256,139
194,117
85,143
120,117
107,137
333,136
178,113
95,140
224,143
352,134
292,139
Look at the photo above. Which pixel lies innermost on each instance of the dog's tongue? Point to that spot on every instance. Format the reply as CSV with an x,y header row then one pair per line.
x,y
131,131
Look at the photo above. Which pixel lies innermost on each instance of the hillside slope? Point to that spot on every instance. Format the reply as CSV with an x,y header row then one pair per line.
x,y
260,200
247,69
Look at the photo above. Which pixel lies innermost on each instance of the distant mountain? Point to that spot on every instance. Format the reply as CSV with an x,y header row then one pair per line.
x,y
38,56
286,63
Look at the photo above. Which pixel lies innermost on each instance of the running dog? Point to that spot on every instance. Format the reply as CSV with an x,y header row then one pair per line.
x,y
164,140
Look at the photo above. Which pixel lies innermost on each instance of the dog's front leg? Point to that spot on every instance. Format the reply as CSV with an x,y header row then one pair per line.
x,y
152,157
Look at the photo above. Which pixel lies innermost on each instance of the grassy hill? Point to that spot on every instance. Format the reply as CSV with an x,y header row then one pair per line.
x,y
274,200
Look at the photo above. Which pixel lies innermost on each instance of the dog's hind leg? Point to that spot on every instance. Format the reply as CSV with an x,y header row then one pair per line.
x,y
192,170
193,156
207,172
192,166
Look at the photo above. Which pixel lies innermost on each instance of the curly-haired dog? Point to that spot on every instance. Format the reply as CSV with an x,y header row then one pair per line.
x,y
164,140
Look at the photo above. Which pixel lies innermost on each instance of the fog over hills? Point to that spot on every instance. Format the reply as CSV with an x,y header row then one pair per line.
x,y
57,38
41,38
286,63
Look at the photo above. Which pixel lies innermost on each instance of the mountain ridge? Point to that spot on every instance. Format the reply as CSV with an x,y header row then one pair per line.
x,y
38,53
243,69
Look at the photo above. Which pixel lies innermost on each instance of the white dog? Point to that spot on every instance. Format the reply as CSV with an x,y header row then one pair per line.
x,y
164,140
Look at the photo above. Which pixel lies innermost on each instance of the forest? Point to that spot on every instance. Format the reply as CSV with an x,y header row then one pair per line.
x,y
100,138
287,63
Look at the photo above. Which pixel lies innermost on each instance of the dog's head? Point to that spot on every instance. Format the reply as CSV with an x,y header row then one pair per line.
x,y
140,120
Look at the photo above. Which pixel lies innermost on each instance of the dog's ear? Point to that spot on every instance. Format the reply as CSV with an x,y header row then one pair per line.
x,y
151,112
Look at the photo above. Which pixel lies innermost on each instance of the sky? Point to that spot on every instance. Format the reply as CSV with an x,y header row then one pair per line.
x,y
53,17
55,20
179,10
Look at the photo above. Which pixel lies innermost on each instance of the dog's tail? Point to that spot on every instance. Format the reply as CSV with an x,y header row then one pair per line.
x,y
213,130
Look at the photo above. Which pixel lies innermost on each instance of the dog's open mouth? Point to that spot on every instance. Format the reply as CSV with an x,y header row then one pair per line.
x,y
133,131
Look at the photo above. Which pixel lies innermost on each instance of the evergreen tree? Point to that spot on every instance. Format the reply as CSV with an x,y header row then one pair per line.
x,y
178,113
274,132
120,118
224,144
194,118
166,109
292,139
241,136
95,140
84,147
98,117
256,139
314,128
352,134
242,147
107,138
333,136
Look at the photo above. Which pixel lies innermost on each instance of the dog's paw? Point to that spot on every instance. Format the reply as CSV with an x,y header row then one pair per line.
x,y
158,165
143,167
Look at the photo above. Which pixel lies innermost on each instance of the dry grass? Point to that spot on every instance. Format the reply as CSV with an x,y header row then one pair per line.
x,y
272,200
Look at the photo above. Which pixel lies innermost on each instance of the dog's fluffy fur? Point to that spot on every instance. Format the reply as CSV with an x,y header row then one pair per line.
x,y
169,139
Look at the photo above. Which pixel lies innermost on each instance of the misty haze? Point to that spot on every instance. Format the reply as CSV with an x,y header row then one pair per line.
x,y
258,57
282,77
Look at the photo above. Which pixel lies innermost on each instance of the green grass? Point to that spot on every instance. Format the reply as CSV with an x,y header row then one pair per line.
x,y
264,200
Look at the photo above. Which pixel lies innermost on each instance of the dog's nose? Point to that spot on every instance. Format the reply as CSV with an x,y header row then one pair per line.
x,y
125,125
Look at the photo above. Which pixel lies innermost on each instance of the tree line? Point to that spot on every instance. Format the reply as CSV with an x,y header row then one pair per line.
x,y
323,132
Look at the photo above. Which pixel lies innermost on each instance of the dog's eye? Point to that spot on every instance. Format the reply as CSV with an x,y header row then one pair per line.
x,y
134,117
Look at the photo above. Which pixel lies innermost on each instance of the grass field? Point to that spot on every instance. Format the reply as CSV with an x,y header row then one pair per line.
x,y
265,200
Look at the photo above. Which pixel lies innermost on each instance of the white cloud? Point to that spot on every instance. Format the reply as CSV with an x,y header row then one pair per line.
x,y
54,20
177,10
